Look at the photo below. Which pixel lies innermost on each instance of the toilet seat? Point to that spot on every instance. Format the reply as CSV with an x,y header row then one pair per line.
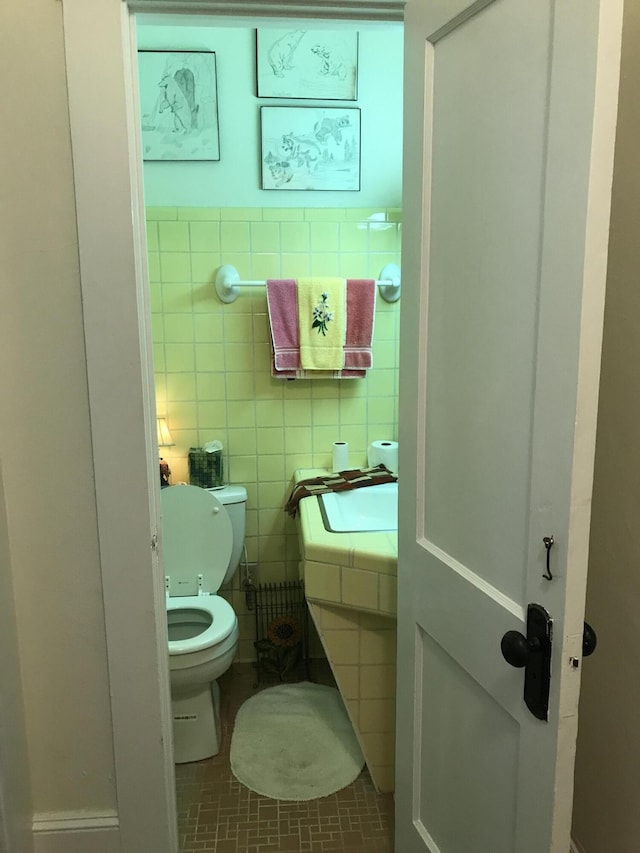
x,y
223,621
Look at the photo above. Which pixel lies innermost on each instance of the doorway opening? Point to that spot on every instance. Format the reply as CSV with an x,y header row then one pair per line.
x,y
211,361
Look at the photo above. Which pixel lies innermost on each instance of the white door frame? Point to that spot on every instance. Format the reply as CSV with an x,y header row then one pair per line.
x,y
122,405
100,55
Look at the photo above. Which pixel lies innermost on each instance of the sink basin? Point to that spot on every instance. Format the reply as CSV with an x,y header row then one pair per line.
x,y
370,508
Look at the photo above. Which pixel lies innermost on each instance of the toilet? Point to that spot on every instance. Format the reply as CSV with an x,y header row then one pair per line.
x,y
202,541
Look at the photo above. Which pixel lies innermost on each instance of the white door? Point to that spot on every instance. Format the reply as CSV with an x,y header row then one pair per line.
x,y
510,117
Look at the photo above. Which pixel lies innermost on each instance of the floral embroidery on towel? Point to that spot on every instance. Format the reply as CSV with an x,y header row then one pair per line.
x,y
322,315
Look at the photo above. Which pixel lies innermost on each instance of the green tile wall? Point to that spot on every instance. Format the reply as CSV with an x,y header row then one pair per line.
x,y
212,360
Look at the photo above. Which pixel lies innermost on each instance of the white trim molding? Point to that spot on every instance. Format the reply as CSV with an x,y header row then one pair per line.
x,y
363,10
74,832
100,61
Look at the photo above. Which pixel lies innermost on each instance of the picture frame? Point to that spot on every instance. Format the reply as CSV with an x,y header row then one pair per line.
x,y
307,64
178,92
310,148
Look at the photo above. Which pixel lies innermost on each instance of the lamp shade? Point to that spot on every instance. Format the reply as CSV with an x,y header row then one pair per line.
x,y
164,436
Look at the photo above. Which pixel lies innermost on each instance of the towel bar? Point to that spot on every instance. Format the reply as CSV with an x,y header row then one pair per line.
x,y
228,283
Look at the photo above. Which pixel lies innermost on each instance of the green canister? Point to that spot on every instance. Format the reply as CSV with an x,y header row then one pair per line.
x,y
205,465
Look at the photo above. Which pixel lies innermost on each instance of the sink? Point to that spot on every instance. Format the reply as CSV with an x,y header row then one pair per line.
x,y
369,508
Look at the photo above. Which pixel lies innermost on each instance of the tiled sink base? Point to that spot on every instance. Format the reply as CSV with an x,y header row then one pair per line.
x,y
361,650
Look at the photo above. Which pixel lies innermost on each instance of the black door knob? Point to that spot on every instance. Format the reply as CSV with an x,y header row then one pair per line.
x,y
589,640
516,649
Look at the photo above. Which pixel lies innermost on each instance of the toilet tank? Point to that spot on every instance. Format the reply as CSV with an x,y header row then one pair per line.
x,y
234,500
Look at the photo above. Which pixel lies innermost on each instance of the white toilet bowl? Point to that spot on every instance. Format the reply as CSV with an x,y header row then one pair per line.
x,y
198,547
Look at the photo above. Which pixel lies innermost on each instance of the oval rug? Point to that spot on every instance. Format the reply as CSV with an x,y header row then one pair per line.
x,y
295,742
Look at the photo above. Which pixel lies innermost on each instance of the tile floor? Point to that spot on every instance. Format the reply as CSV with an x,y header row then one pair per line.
x,y
217,814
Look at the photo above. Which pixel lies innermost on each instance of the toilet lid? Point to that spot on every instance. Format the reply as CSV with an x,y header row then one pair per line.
x,y
197,539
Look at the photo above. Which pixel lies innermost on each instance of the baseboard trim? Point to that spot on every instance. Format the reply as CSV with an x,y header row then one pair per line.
x,y
74,832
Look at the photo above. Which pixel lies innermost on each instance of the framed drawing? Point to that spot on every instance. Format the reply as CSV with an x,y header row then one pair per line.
x,y
179,105
310,148
319,64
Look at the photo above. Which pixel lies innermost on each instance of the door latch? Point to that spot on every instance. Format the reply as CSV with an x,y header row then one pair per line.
x,y
532,652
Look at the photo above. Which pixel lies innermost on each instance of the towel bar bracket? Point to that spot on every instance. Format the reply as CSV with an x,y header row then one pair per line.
x,y
226,287
389,283
228,283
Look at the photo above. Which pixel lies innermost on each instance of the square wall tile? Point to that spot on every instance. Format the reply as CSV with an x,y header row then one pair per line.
x,y
181,386
265,237
272,496
207,328
175,267
242,387
241,412
238,328
234,237
204,266
354,264
210,386
265,265
173,236
271,440
295,237
242,442
211,416
322,581
243,469
271,469
176,298
377,682
377,715
295,265
340,646
360,588
299,440
378,647
179,358
324,237
178,328
209,357
269,413
353,237
204,236
237,357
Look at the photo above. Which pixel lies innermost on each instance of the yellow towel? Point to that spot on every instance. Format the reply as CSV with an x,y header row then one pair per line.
x,y
322,322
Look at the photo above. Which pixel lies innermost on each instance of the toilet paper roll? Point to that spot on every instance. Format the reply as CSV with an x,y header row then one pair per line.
x,y
340,455
383,453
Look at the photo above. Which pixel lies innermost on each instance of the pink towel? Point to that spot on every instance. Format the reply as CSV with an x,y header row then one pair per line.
x,y
282,305
361,310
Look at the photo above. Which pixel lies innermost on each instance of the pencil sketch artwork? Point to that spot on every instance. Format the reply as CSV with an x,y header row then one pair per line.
x,y
308,148
320,64
179,105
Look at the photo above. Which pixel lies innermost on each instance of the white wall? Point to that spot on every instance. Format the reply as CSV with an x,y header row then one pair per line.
x,y
234,181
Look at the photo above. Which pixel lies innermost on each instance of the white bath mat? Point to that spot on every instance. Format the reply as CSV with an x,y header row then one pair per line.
x,y
295,742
